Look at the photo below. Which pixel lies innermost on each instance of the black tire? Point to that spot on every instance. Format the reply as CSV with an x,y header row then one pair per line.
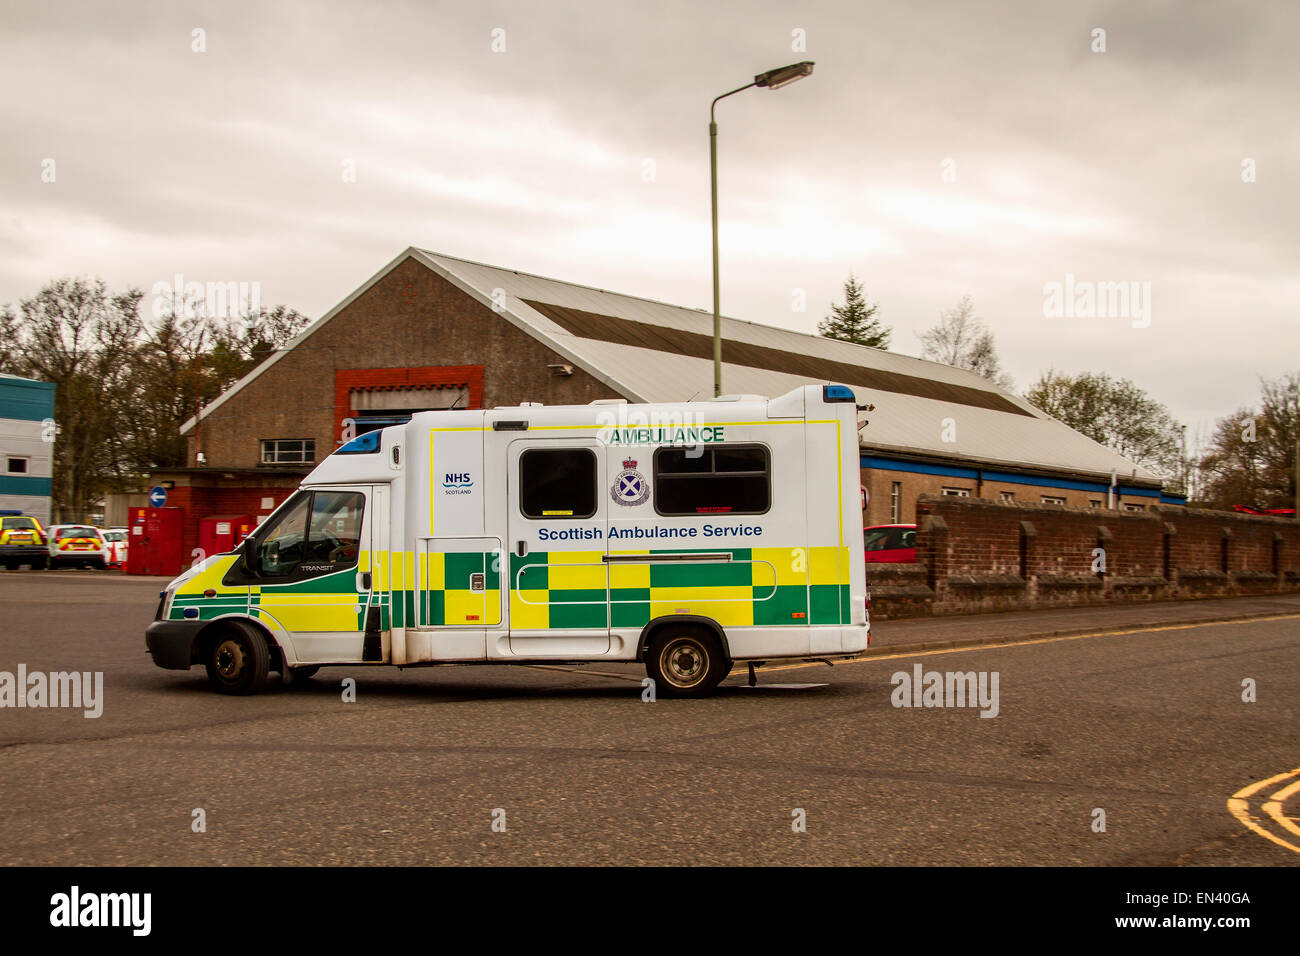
x,y
685,662
237,661
11,565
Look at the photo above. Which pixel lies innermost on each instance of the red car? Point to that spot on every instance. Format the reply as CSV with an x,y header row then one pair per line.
x,y
890,543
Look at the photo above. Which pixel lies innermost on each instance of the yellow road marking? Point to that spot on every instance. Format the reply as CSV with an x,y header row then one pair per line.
x,y
1274,807
1286,793
1274,810
1239,807
1032,640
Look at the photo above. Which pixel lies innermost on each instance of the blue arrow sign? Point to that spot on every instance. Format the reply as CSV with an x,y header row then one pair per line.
x,y
157,496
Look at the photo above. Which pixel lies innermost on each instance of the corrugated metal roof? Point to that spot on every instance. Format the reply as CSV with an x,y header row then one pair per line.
x,y
902,423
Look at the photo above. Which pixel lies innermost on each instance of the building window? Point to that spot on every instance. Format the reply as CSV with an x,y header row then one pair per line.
x,y
724,479
895,502
16,466
1094,502
1052,500
1130,506
557,483
1006,496
957,492
288,451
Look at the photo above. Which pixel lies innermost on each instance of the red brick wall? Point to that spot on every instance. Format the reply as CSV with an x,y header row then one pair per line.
x,y
409,319
980,555
201,502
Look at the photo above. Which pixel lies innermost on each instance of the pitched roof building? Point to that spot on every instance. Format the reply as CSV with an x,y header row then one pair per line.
x,y
432,331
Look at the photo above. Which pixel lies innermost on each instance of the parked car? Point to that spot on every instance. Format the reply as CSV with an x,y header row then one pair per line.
x,y
22,541
890,543
115,545
76,544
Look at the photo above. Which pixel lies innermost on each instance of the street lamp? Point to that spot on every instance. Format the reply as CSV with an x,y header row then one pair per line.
x,y
772,80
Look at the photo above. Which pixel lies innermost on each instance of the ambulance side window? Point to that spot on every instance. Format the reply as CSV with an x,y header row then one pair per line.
x,y
280,547
319,533
557,483
713,479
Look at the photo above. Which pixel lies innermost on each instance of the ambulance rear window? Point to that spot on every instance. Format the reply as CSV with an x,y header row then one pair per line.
x,y
557,483
713,480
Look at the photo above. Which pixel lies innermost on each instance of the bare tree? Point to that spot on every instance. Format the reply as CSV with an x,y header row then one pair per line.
x,y
123,387
1250,456
961,339
75,334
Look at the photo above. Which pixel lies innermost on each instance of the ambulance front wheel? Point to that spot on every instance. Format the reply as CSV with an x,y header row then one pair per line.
x,y
686,662
237,660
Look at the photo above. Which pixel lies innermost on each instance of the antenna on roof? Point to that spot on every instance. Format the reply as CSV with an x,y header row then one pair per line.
x,y
692,398
459,398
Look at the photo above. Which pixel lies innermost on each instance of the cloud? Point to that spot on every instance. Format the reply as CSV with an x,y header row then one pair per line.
x,y
581,151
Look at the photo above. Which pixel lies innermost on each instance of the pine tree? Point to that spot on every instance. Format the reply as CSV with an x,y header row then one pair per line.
x,y
855,321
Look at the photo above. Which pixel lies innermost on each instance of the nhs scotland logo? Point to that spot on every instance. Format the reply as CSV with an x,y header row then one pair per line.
x,y
458,483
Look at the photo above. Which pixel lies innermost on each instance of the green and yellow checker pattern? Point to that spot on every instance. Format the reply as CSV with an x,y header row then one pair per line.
x,y
566,590
557,590
447,598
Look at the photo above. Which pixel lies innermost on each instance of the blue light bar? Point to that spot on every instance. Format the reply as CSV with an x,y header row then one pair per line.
x,y
838,393
361,445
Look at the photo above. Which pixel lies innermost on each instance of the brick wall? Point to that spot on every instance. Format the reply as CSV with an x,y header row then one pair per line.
x,y
879,483
974,554
208,498
411,318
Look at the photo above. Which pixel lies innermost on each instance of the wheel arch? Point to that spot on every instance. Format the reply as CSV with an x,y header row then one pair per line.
x,y
248,625
668,620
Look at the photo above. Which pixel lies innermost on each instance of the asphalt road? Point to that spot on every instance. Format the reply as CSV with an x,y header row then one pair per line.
x,y
1149,727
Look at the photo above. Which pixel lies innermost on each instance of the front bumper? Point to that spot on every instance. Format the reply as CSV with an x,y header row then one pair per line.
x,y
172,643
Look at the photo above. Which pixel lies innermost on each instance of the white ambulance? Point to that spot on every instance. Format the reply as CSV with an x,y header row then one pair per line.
x,y
686,536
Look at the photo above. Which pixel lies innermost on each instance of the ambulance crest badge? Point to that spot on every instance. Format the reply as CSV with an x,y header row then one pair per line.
x,y
630,486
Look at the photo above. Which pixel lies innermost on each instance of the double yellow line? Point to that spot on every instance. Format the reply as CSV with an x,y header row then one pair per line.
x,y
1239,807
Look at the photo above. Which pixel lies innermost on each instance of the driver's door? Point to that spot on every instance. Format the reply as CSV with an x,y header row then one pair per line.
x,y
312,578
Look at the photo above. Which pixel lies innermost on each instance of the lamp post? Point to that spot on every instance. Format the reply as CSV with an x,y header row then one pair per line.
x,y
772,80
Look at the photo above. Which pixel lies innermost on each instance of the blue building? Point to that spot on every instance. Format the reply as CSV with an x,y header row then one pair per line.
x,y
26,445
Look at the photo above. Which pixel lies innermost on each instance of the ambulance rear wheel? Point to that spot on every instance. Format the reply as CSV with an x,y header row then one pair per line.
x,y
237,661
685,662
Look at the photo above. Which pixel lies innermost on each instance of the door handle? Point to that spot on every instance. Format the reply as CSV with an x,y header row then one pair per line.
x,y
363,581
521,548
478,581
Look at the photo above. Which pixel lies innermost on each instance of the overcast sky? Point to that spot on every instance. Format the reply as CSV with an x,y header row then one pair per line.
x,y
580,152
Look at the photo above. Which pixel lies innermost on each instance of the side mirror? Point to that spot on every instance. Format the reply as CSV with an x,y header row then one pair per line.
x,y
248,556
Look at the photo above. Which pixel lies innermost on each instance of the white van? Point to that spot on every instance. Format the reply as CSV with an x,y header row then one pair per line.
x,y
687,536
